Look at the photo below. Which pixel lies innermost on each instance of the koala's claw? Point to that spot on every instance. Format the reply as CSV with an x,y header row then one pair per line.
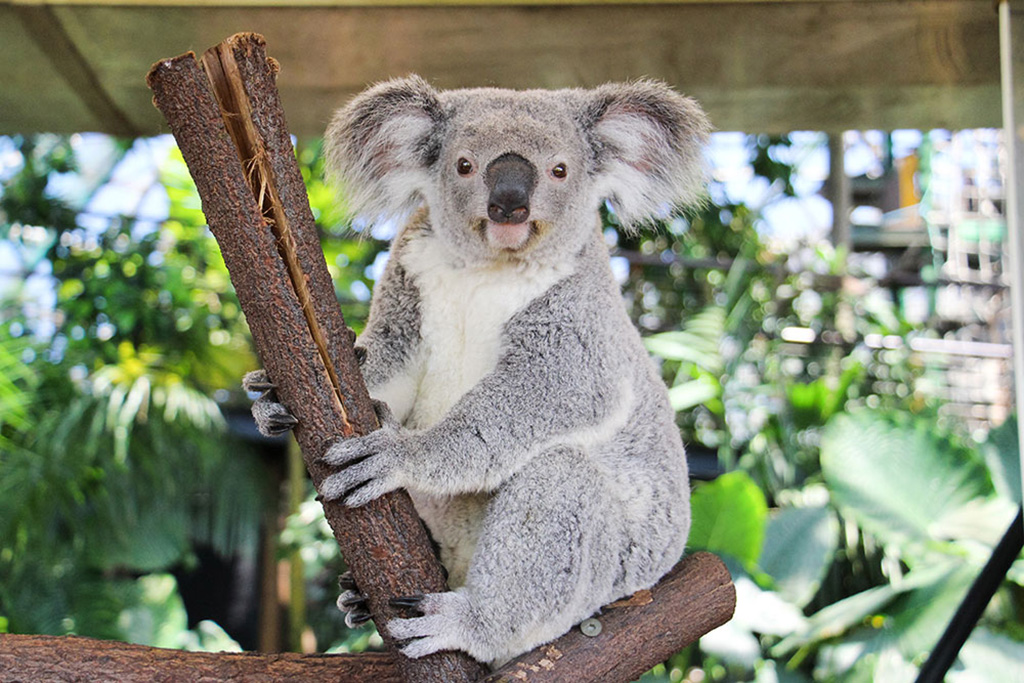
x,y
352,602
370,464
272,418
410,605
257,381
357,617
435,628
346,582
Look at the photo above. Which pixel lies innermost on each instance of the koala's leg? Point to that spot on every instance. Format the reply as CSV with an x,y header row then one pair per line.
x,y
272,418
548,556
352,602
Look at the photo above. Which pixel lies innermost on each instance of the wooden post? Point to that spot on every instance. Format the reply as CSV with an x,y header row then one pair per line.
x,y
238,150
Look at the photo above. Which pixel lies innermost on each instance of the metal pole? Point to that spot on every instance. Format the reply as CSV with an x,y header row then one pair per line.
x,y
839,193
973,606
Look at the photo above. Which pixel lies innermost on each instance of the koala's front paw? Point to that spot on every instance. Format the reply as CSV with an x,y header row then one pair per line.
x,y
437,623
272,418
370,462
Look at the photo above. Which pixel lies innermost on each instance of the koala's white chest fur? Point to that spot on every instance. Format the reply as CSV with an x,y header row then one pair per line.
x,y
463,310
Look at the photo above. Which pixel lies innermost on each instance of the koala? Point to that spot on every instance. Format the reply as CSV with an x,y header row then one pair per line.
x,y
519,407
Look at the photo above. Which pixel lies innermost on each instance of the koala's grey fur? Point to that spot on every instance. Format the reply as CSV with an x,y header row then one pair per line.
x,y
530,427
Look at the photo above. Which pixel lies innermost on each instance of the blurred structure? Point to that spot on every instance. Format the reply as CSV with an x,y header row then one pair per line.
x,y
941,227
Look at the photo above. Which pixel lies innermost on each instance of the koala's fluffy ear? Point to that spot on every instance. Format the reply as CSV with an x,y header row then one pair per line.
x,y
648,143
381,145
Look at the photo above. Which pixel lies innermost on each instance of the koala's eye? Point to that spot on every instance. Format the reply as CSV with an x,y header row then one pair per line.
x,y
559,171
464,166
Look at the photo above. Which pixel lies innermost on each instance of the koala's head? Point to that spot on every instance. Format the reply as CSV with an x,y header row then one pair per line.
x,y
506,174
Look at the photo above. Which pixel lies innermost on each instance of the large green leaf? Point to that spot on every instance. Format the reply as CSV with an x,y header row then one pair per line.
x,y
1002,455
989,657
896,480
729,516
836,619
798,548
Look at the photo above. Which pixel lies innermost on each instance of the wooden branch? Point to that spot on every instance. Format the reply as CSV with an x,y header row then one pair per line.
x,y
255,202
636,633
73,658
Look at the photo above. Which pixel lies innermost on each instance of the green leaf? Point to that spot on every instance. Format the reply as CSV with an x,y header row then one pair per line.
x,y
729,516
836,619
678,346
208,636
697,343
897,480
815,402
1002,455
693,393
917,618
158,619
798,549
988,656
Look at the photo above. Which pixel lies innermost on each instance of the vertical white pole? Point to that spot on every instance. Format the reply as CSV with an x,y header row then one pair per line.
x,y
1011,65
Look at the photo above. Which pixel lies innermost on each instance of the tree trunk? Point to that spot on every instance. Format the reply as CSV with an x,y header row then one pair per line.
x,y
255,202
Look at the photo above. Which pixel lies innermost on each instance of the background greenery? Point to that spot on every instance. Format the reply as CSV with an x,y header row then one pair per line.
x,y
852,517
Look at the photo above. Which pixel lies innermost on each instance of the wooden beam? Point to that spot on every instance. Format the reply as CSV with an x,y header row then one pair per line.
x,y
45,29
758,67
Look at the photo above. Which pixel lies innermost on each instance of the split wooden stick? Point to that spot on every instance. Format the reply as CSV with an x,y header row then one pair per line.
x,y
235,141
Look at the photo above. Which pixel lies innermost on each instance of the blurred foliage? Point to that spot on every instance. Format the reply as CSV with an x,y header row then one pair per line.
x,y
879,514
113,457
851,516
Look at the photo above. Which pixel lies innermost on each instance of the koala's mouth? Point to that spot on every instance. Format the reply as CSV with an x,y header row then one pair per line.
x,y
509,237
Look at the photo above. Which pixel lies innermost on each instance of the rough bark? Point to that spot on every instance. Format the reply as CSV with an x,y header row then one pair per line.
x,y
636,633
256,206
35,659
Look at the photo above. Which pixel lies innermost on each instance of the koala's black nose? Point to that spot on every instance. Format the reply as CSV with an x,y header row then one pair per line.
x,y
510,179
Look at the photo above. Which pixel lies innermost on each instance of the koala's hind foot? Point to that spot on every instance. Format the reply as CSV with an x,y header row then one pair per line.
x,y
545,560
352,602
436,622
272,418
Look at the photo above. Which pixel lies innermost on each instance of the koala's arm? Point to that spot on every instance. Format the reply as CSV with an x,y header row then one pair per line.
x,y
389,344
558,381
551,386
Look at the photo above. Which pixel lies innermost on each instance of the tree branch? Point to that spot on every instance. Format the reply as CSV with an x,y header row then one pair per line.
x,y
636,634
73,658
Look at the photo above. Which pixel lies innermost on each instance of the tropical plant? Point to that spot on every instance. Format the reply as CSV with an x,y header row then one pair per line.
x,y
112,453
